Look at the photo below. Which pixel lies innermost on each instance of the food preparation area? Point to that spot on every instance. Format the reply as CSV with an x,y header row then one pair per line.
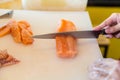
x,y
40,59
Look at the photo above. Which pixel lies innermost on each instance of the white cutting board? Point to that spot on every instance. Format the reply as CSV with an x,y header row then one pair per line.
x,y
39,60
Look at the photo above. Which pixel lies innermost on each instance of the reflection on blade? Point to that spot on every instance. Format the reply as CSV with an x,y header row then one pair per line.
x,y
76,34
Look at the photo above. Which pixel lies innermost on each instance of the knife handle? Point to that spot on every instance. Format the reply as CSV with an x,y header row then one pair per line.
x,y
104,33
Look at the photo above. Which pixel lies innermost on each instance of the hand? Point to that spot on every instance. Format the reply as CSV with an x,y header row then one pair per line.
x,y
111,25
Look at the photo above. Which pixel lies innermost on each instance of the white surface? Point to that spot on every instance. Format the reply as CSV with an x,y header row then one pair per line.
x,y
39,61
79,5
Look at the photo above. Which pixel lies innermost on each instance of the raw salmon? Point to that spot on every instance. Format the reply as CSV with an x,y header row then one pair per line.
x,y
4,30
15,31
66,45
26,25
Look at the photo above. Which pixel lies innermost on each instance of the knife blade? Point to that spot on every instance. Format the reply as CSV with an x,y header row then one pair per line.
x,y
76,34
7,15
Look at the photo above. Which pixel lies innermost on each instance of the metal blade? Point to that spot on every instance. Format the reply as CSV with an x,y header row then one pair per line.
x,y
7,15
76,34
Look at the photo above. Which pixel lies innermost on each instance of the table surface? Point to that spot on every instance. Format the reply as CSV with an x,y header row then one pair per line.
x,y
39,60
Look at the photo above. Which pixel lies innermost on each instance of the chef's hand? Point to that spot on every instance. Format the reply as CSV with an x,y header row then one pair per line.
x,y
111,25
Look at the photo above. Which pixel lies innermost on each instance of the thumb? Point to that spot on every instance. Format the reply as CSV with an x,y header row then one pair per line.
x,y
108,22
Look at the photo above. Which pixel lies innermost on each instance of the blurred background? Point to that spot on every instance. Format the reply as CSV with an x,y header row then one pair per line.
x,y
98,10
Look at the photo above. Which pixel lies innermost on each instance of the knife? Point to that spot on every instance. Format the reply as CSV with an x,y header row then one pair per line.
x,y
76,34
7,14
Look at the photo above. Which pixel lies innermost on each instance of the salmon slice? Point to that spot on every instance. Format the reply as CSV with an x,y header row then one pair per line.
x,y
66,46
6,59
26,36
26,25
15,31
20,31
4,31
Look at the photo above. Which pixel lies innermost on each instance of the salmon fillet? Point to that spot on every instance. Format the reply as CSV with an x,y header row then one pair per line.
x,y
66,46
26,34
4,30
15,31
26,25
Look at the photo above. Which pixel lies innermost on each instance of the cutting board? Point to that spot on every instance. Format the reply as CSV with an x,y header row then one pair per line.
x,y
39,60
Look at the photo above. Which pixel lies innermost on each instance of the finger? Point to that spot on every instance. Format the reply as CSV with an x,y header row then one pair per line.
x,y
108,22
113,29
97,28
109,36
118,35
